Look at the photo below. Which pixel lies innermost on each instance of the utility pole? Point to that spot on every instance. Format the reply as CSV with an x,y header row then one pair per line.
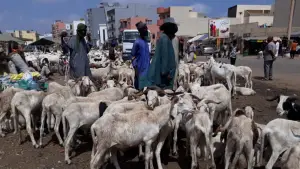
x,y
291,19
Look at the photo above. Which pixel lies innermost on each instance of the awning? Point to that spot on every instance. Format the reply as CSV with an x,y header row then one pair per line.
x,y
42,42
295,34
199,37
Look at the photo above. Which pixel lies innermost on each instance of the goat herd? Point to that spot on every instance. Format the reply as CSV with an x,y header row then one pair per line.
x,y
120,117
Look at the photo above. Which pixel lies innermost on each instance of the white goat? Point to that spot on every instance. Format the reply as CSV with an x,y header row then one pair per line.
x,y
242,71
26,103
281,135
221,72
245,91
112,94
129,129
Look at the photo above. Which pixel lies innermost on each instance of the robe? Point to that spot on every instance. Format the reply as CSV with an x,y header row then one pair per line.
x,y
79,61
175,43
163,64
141,63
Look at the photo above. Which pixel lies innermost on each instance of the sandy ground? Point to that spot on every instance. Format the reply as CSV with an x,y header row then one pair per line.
x,y
24,156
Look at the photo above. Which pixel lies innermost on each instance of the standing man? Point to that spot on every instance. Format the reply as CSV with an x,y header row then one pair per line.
x,y
293,49
163,66
269,58
141,56
233,53
79,48
192,50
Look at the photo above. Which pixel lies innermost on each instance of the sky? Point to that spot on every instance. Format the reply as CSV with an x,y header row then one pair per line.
x,y
40,14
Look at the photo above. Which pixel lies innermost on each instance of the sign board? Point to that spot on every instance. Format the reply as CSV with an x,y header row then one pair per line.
x,y
219,28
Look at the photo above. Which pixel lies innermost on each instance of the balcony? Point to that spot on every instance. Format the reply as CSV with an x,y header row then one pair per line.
x,y
160,22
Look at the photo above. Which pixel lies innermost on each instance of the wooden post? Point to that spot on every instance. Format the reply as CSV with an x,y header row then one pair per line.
x,y
291,19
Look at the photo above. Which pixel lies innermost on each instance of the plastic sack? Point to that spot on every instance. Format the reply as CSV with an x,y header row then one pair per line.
x,y
27,76
195,56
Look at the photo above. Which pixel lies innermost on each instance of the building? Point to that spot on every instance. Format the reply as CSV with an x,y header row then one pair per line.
x,y
252,13
27,36
102,34
75,24
190,23
94,17
282,13
57,27
127,11
129,23
47,35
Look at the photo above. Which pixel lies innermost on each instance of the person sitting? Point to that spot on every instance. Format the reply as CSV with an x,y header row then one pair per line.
x,y
16,63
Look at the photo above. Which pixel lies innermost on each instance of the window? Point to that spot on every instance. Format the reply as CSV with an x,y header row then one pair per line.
x,y
149,22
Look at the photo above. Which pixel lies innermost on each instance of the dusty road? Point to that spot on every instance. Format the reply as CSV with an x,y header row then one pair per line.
x,y
15,156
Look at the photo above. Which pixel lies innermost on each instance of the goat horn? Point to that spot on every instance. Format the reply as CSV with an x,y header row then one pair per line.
x,y
272,99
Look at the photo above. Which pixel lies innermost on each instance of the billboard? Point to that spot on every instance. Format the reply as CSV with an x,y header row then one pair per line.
x,y
219,28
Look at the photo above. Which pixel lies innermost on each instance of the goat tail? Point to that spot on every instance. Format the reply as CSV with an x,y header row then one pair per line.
x,y
64,122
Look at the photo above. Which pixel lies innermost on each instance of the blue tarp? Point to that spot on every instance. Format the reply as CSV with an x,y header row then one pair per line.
x,y
203,37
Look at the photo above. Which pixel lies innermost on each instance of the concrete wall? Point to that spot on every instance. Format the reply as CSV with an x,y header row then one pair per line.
x,y
260,19
95,16
282,13
242,8
189,24
252,29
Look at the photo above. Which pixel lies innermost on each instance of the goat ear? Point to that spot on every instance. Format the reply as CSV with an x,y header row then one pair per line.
x,y
161,93
196,99
239,112
292,99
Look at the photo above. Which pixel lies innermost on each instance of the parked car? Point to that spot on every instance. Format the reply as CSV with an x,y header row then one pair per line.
x,y
205,50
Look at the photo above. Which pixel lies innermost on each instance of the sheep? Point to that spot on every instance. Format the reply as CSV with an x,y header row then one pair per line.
x,y
183,73
82,86
144,126
243,71
217,71
199,129
101,73
78,115
241,138
245,91
26,103
112,94
281,134
5,100
286,105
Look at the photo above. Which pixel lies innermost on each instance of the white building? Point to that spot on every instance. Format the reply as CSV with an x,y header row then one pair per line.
x,y
75,23
103,36
263,14
190,23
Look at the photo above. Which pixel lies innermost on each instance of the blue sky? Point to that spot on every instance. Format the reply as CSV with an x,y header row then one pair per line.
x,y
40,14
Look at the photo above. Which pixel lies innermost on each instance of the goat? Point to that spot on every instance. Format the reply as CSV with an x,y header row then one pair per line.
x,y
243,71
112,94
245,91
241,138
121,124
286,105
5,100
281,134
26,103
217,71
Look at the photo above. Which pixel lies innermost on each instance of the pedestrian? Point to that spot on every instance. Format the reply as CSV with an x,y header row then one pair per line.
x,y
79,48
233,53
191,54
277,44
293,49
64,46
163,66
269,58
141,56
181,48
16,63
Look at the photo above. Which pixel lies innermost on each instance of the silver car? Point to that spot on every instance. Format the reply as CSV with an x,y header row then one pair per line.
x,y
206,50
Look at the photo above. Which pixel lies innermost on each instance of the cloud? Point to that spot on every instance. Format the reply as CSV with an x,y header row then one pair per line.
x,y
49,1
202,8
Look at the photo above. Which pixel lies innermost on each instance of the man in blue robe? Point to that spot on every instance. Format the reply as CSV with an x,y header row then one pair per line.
x,y
141,56
163,66
79,48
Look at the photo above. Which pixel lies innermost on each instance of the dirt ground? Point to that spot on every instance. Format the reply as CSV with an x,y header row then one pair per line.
x,y
15,156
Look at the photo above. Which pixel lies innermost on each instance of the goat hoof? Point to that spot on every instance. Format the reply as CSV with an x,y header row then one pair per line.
x,y
68,162
36,146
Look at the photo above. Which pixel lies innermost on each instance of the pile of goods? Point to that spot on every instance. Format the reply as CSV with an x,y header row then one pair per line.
x,y
26,81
